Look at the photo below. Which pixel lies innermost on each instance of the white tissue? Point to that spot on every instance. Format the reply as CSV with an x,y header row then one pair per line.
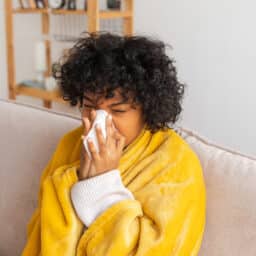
x,y
101,120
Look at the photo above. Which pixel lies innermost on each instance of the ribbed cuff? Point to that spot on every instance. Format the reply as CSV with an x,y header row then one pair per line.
x,y
94,195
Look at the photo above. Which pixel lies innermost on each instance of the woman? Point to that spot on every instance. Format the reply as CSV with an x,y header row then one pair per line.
x,y
143,193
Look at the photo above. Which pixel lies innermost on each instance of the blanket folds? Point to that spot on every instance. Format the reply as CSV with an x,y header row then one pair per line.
x,y
167,216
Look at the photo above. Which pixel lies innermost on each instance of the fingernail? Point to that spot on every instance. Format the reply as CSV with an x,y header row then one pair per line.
x,y
110,117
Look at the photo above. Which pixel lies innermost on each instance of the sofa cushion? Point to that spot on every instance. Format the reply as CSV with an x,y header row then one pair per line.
x,y
230,179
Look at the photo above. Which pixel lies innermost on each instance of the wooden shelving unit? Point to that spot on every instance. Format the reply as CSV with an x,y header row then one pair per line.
x,y
93,20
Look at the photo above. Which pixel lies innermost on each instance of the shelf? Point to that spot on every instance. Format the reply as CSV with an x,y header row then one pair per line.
x,y
114,14
30,10
63,11
93,17
108,14
39,93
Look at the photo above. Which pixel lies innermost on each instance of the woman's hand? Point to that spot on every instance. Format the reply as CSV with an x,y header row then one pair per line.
x,y
110,150
85,161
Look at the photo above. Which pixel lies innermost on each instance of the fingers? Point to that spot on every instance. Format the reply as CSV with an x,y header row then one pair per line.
x,y
86,161
101,140
85,164
84,172
94,153
114,137
86,125
120,141
93,115
109,129
87,122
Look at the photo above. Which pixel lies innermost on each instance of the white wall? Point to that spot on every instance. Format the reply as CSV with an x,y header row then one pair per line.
x,y
214,48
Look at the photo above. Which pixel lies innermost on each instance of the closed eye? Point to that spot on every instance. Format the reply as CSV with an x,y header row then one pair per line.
x,y
114,110
120,111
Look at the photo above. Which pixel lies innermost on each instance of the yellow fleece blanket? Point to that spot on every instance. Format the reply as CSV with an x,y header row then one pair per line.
x,y
167,216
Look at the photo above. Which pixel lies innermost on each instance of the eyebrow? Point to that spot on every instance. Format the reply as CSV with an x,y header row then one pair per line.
x,y
113,104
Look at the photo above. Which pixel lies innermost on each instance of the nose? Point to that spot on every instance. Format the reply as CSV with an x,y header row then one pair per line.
x,y
108,113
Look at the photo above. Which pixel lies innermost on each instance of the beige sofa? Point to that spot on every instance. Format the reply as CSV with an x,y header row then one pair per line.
x,y
29,134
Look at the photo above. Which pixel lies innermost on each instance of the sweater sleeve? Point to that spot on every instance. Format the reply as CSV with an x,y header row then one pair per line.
x,y
92,196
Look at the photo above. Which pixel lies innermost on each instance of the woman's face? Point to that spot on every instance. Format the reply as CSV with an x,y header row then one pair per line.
x,y
129,121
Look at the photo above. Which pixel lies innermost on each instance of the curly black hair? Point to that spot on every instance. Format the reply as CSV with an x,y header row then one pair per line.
x,y
101,62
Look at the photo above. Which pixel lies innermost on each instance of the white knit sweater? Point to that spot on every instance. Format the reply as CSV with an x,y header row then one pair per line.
x,y
94,195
